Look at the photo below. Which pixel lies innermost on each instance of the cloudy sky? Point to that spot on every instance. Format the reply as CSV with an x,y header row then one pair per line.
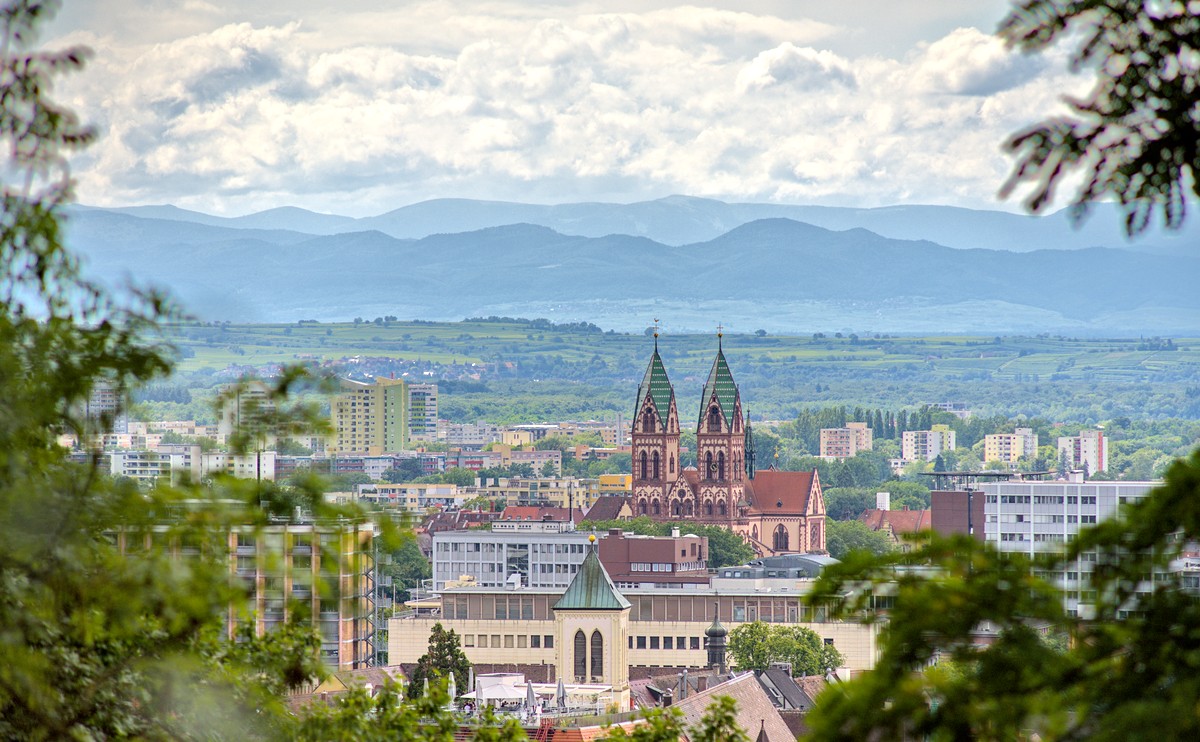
x,y
362,106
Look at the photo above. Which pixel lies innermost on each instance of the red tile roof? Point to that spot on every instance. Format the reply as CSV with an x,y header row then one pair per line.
x,y
774,491
534,513
754,708
900,521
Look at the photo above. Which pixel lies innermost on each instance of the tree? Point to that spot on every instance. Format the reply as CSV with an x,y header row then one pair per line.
x,y
1129,667
407,567
755,645
1135,135
843,537
445,656
404,470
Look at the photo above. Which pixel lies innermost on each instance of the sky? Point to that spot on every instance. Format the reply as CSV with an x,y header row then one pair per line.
x,y
360,107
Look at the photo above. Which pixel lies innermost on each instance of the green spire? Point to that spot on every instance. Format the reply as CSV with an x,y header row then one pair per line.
x,y
592,589
720,380
657,386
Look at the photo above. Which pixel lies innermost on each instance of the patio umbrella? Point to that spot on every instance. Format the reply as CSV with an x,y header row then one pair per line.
x,y
560,696
452,689
530,698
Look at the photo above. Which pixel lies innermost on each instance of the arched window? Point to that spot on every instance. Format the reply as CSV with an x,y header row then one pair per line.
x,y
814,538
656,507
721,508
714,419
654,459
708,508
671,458
691,508
642,507
676,509
648,421
597,656
721,466
779,541
754,533
645,465
708,465
580,657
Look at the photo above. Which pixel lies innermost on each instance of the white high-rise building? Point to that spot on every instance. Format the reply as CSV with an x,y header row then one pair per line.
x,y
1028,517
927,445
1088,449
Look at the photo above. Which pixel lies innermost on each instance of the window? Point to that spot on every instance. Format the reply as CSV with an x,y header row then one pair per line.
x,y
714,419
535,641
641,642
548,641
483,642
654,642
681,642
654,460
597,655
668,642
468,640
694,643
580,656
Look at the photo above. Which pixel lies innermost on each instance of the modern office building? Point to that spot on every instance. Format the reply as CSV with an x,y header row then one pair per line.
x,y
1028,517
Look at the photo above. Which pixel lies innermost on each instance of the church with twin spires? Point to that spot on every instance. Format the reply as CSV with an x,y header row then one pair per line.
x,y
777,512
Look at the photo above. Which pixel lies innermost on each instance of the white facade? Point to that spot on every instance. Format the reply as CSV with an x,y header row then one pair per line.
x,y
544,558
927,445
1088,449
1028,517
422,413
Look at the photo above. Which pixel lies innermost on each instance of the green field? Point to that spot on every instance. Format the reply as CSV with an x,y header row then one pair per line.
x,y
526,369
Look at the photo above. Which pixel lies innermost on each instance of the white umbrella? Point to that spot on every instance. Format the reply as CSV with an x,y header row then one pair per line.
x,y
426,691
452,689
560,696
530,698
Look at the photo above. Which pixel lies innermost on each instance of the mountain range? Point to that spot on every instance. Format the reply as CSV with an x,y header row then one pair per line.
x,y
711,265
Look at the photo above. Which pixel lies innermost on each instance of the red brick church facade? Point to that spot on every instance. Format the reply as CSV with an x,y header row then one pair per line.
x,y
778,512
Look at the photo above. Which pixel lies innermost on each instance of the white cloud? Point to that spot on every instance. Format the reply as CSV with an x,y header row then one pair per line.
x,y
524,102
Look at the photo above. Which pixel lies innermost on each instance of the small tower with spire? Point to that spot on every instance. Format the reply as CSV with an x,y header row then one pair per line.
x,y
716,634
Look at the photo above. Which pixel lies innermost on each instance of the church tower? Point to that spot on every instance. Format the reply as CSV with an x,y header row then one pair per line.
x,y
655,439
591,626
721,445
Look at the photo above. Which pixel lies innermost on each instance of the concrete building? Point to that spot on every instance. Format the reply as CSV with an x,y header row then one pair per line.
x,y
317,572
385,416
1010,447
1028,517
563,492
1088,450
241,407
843,443
666,625
547,554
927,445
468,435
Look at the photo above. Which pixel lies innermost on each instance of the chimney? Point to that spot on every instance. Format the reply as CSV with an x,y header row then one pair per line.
x,y
883,501
674,533
667,699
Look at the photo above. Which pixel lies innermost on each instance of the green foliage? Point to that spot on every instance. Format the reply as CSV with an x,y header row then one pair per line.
x,y
1134,135
407,567
1130,665
754,646
843,537
445,656
386,717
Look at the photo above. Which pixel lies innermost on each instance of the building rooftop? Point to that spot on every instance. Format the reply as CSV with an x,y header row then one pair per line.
x,y
592,589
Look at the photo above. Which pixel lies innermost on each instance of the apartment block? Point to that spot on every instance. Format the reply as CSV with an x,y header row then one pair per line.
x,y
1088,449
927,445
843,443
385,416
242,407
1009,447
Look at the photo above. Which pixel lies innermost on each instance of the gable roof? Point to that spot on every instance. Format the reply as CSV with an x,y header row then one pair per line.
x,y
720,382
754,707
900,521
592,589
535,513
657,387
609,507
780,492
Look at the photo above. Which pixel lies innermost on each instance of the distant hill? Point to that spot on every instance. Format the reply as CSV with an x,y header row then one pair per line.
x,y
681,220
777,274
